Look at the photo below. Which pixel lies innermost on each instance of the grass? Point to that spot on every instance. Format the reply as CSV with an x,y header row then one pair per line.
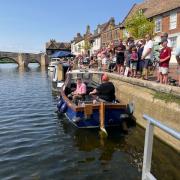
x,y
168,98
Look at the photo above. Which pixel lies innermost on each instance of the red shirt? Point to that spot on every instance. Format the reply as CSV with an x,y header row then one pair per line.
x,y
165,52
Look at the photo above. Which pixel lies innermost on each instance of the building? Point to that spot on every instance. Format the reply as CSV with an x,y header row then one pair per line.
x,y
82,44
77,45
52,46
166,15
96,39
110,33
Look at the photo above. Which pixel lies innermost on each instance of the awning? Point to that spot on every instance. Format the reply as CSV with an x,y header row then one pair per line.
x,y
60,54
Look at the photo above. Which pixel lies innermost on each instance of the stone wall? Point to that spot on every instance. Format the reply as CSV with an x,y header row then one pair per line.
x,y
142,94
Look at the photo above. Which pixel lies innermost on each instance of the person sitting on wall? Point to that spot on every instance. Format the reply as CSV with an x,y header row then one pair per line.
x,y
105,91
80,91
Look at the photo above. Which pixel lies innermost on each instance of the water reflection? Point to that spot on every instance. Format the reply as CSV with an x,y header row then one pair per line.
x,y
90,140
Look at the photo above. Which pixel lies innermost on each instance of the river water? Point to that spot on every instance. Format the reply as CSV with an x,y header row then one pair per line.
x,y
36,144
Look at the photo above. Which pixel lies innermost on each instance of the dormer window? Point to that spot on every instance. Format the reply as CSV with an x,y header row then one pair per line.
x,y
141,11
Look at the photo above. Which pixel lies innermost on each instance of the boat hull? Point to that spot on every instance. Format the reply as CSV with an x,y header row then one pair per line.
x,y
113,117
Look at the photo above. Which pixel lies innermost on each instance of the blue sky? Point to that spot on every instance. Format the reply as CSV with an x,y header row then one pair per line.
x,y
27,25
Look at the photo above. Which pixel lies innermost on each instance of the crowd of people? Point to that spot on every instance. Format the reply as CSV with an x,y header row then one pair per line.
x,y
134,59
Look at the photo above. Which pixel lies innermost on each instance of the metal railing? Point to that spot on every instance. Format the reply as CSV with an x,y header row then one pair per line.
x,y
146,170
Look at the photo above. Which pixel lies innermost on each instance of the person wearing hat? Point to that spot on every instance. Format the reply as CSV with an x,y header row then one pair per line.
x,y
178,61
165,56
164,35
105,91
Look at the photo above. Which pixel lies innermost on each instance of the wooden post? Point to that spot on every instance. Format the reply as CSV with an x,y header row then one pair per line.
x,y
102,117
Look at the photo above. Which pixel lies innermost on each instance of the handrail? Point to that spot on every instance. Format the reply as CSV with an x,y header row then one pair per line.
x,y
170,131
146,174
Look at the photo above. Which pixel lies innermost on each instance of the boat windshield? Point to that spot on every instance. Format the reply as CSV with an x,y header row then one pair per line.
x,y
87,77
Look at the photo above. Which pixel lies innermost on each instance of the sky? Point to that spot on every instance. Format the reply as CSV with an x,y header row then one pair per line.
x,y
26,25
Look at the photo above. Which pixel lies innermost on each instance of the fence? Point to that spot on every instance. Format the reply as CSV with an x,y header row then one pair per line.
x,y
146,171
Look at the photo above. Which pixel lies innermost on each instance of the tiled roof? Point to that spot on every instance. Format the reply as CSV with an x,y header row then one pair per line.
x,y
153,8
57,45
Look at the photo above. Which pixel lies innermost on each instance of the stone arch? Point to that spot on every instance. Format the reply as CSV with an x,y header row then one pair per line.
x,y
13,59
28,58
32,60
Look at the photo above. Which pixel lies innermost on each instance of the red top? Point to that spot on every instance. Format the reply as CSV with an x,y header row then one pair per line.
x,y
165,52
134,56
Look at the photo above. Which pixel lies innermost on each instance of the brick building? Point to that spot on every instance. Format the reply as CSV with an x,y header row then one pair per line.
x,y
166,15
110,33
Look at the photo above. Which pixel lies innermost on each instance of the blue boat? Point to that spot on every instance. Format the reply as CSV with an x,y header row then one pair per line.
x,y
87,113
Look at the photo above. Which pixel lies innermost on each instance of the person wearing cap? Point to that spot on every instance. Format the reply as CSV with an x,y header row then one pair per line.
x,y
105,91
178,61
164,35
80,90
165,56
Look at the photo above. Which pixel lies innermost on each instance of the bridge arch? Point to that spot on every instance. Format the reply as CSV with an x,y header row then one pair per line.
x,y
9,60
32,61
23,59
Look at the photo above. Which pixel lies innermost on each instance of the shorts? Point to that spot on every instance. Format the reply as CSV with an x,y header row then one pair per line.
x,y
146,63
134,65
163,70
104,61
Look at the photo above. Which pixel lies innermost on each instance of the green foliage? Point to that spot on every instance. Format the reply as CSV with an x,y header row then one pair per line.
x,y
87,45
167,97
138,25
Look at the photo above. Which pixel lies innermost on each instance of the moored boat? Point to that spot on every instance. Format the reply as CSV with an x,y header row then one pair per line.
x,y
89,113
59,75
53,63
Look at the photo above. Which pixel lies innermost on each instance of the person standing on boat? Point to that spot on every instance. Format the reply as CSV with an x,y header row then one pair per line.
x,y
105,91
80,90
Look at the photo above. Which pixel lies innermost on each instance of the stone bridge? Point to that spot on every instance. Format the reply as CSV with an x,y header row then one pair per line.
x,y
23,59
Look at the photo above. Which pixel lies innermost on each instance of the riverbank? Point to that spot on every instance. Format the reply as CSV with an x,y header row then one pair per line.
x,y
145,96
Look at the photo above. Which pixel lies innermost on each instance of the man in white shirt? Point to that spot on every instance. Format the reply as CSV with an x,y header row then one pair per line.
x,y
147,55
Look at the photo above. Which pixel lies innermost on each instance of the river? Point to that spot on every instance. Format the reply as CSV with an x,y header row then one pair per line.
x,y
36,144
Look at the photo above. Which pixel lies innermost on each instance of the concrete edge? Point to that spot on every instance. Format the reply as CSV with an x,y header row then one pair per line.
x,y
148,84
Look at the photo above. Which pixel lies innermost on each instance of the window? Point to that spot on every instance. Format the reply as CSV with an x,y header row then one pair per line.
x,y
173,20
125,33
173,42
158,24
116,35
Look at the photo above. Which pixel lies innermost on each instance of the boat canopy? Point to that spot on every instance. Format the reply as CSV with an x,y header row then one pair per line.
x,y
60,54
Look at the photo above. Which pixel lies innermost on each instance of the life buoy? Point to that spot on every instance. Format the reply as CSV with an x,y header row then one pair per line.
x,y
59,104
63,108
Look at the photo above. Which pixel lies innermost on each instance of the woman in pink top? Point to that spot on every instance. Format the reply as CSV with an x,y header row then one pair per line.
x,y
80,90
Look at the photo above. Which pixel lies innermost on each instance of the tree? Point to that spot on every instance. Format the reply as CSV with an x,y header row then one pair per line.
x,y
87,45
138,25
